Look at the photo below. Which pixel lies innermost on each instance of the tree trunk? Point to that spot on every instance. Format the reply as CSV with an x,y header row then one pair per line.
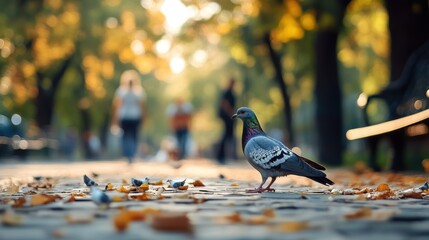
x,y
275,59
328,99
409,29
45,99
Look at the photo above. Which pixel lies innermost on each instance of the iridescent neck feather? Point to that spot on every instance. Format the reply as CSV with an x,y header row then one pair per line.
x,y
251,128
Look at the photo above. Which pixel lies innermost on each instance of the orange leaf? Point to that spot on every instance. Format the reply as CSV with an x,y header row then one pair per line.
x,y
124,181
140,197
19,202
383,187
157,183
172,222
42,199
360,213
183,188
234,184
120,221
269,212
198,183
11,219
291,227
124,190
143,188
234,218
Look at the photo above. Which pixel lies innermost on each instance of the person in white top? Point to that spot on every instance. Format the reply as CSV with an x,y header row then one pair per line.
x,y
129,111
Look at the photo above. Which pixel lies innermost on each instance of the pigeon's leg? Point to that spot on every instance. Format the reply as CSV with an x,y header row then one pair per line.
x,y
258,189
268,189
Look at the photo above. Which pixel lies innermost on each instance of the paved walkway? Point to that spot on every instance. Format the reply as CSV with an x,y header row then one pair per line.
x,y
359,206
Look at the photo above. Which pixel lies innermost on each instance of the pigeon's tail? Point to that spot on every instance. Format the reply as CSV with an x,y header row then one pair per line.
x,y
322,180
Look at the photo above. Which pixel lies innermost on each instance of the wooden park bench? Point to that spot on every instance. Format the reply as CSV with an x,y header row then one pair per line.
x,y
407,100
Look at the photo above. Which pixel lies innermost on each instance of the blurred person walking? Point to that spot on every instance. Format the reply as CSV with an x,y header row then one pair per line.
x,y
226,110
129,111
180,115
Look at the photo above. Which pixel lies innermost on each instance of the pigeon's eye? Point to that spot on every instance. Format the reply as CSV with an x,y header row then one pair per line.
x,y
241,112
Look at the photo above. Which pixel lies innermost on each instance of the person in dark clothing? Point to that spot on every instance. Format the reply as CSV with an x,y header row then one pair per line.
x,y
226,110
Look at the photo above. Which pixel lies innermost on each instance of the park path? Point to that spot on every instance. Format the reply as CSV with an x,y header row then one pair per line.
x,y
361,205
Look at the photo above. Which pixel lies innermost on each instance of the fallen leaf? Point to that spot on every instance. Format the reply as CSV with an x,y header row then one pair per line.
x,y
109,187
290,227
199,200
234,184
19,202
198,183
79,218
11,219
383,187
117,198
257,220
140,197
157,183
123,189
234,218
143,188
172,222
269,212
364,212
42,199
124,181
183,188
121,221
71,199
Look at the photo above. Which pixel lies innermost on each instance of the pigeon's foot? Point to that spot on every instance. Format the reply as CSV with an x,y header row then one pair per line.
x,y
256,190
269,189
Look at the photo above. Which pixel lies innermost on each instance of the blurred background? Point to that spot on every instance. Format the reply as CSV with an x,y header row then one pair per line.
x,y
299,64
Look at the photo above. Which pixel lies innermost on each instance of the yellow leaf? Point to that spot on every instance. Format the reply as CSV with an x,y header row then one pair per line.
x,y
157,183
42,199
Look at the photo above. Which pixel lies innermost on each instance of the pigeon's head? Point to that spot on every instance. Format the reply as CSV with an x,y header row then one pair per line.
x,y
169,181
244,113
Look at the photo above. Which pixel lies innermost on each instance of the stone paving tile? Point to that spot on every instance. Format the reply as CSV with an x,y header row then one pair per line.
x,y
296,210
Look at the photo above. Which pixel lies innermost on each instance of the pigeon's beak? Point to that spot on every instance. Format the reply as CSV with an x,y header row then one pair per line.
x,y
234,116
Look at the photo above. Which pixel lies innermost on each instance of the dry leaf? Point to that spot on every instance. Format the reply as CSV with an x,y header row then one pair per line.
x,y
19,202
79,218
257,220
198,183
11,219
269,212
172,222
290,227
199,200
109,187
234,184
364,212
123,189
234,218
121,221
71,199
383,187
124,181
42,199
143,188
140,197
157,183
117,198
183,188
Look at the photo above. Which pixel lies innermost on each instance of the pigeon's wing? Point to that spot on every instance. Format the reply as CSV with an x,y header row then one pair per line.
x,y
313,164
270,154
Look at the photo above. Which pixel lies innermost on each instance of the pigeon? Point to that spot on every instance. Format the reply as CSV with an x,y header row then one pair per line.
x,y
99,197
271,157
424,187
174,184
138,182
88,181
